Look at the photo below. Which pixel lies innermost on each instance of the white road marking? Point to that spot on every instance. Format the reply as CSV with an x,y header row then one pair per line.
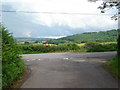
x,y
80,60
39,59
65,58
33,59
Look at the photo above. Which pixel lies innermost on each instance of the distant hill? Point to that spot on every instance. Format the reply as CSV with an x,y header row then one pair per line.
x,y
102,36
110,35
31,39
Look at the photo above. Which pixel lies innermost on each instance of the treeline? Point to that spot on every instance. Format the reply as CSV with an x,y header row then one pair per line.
x,y
58,41
102,36
31,39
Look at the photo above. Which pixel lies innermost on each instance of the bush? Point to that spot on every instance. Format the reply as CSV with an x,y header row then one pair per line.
x,y
96,47
70,46
12,64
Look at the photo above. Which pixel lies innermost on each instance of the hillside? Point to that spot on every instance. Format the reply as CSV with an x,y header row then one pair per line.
x,y
101,36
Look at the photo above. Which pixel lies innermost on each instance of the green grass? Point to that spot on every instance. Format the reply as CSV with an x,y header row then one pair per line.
x,y
36,52
113,67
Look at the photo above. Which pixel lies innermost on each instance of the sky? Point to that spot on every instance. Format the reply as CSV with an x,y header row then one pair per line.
x,y
56,18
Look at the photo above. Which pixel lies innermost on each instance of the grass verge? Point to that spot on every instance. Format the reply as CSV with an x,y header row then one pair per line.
x,y
113,67
37,52
18,82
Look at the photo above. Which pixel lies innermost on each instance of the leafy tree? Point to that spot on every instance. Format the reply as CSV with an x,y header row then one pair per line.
x,y
12,64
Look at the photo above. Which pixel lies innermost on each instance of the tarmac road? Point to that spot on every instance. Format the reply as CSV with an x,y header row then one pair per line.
x,y
69,70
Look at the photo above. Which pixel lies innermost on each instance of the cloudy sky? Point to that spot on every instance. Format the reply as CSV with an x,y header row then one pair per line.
x,y
56,18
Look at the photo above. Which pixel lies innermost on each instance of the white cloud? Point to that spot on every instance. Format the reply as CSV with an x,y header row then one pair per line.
x,y
75,21
70,6
27,34
57,5
55,37
82,21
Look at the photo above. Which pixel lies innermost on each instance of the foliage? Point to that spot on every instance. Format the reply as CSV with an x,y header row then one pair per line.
x,y
113,67
44,49
102,36
107,4
96,47
12,64
110,4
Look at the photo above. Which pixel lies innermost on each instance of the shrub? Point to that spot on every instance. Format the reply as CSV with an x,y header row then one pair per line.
x,y
96,47
12,64
71,46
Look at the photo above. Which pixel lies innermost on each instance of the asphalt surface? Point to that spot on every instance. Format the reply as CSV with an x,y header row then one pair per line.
x,y
69,70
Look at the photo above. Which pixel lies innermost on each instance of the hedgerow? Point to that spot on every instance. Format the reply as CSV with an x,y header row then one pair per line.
x,y
44,49
12,64
97,47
